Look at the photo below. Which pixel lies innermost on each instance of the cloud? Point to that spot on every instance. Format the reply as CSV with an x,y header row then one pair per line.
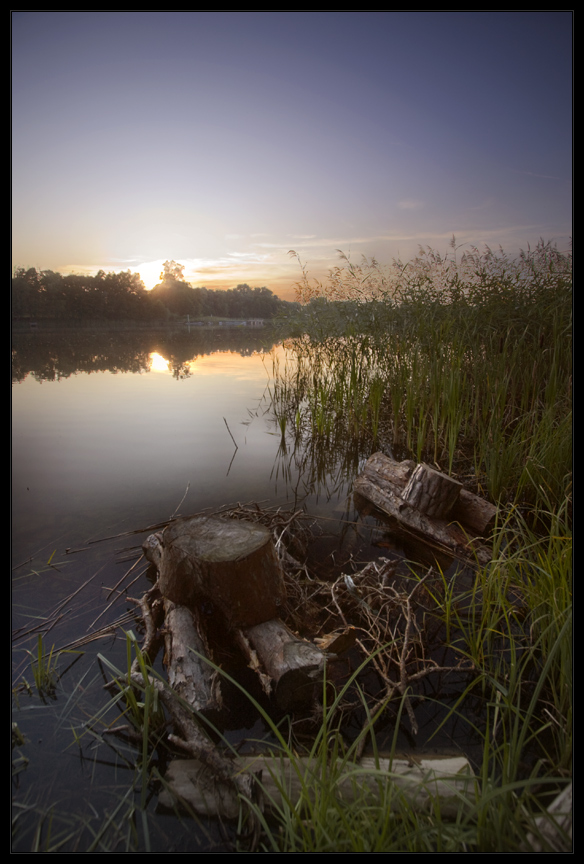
x,y
410,204
541,176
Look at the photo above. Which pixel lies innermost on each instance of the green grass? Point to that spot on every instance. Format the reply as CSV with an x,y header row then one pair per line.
x,y
465,363
44,668
518,706
495,815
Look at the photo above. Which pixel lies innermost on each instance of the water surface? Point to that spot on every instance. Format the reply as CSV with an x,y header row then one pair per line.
x,y
110,433
118,431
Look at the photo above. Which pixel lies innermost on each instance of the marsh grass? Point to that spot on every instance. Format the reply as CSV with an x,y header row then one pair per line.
x,y
495,814
44,666
514,624
474,376
144,712
466,364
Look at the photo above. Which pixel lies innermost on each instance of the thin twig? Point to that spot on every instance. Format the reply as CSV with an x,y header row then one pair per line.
x,y
229,430
127,573
181,500
102,613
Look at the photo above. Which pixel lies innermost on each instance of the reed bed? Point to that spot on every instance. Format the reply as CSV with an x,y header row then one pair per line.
x,y
474,377
466,364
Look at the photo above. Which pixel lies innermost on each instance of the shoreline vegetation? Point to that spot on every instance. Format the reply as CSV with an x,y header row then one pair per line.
x,y
463,361
43,297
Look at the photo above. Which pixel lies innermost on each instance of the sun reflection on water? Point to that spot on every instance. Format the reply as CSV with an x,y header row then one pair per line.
x,y
158,363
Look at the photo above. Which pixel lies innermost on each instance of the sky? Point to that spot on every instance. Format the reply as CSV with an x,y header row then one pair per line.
x,y
223,140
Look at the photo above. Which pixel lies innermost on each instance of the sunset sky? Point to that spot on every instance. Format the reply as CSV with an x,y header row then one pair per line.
x,y
224,139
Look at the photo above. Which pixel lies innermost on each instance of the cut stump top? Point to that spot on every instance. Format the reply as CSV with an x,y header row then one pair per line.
x,y
216,540
232,562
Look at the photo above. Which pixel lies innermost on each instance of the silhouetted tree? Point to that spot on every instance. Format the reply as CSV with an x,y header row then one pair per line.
x,y
172,272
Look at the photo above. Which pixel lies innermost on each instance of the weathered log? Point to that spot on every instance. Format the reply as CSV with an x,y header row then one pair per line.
x,y
186,648
431,492
553,829
383,483
426,782
477,515
230,561
292,665
228,786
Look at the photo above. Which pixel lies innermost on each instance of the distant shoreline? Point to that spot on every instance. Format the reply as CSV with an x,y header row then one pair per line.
x,y
21,325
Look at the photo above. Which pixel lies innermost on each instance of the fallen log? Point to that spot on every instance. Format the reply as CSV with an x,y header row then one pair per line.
x,y
186,651
428,782
293,665
397,488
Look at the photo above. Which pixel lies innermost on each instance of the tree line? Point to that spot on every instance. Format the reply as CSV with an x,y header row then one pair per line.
x,y
44,294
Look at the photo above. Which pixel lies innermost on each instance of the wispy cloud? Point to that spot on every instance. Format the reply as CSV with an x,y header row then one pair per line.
x,y
410,204
541,176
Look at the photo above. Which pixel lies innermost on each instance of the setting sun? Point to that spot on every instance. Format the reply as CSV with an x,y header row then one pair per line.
x,y
150,273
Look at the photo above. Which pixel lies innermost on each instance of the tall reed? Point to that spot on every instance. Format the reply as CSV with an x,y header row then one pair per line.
x,y
474,376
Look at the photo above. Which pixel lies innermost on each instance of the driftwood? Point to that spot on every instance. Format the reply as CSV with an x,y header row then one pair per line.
x,y
427,782
229,785
291,665
371,610
451,519
186,650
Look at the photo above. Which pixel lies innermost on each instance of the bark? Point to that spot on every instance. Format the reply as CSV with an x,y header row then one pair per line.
x,y
186,650
431,492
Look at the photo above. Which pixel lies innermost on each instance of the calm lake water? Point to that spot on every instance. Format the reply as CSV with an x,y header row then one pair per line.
x,y
118,431
109,431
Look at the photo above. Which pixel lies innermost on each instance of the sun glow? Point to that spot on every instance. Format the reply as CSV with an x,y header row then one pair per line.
x,y
150,272
158,363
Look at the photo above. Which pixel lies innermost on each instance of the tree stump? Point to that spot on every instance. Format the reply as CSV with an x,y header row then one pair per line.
x,y
431,492
230,561
234,564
